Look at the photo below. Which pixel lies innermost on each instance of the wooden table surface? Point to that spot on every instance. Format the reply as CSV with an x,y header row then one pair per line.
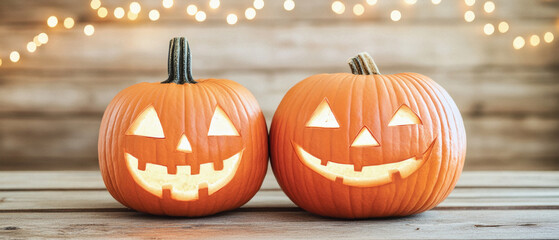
x,y
484,205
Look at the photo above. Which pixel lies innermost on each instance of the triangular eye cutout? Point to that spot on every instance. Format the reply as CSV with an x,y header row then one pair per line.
x,y
184,145
365,139
323,117
404,116
147,124
221,125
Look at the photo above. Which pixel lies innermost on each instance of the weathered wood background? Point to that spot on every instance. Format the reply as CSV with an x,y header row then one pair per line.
x,y
51,102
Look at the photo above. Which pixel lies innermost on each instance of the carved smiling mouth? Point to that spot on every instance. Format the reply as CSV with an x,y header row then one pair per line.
x,y
369,176
183,185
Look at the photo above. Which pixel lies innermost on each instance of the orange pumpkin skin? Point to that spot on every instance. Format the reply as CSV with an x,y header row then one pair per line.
x,y
184,109
369,101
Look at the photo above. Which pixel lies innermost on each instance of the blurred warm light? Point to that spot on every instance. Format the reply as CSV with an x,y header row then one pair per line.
x,y
68,23
232,19
119,12
200,16
95,4
469,16
436,2
258,4
0,62
102,12
518,42
167,3
43,38
153,15
52,21
489,7
191,9
14,56
132,16
395,15
31,47
548,37
470,2
410,2
338,7
88,30
358,9
214,4
534,40
135,7
372,2
503,27
36,41
250,13
488,29
288,5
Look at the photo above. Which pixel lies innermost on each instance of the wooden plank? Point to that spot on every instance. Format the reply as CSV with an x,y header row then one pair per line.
x,y
505,224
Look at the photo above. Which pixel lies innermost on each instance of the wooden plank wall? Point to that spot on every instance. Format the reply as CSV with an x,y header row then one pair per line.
x,y
52,101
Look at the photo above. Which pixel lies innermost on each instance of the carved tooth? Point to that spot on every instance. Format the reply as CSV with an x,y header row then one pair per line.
x,y
156,168
183,170
206,168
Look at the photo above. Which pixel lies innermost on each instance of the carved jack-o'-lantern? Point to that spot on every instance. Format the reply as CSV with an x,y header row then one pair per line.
x,y
183,147
367,145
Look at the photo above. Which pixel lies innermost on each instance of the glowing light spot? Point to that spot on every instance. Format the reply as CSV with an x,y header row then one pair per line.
x,y
469,16
470,2
200,16
338,7
167,3
489,7
102,12
191,9
503,27
43,38
132,16
14,56
214,4
36,41
410,2
358,9
153,15
31,47
88,30
372,2
68,23
288,5
52,21
250,13
488,29
534,40
258,4
119,12
436,2
94,4
232,19
395,15
518,42
548,37
0,62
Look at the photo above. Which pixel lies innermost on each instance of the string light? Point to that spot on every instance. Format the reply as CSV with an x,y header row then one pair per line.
x,y
135,7
470,2
232,19
518,42
102,12
132,16
258,4
469,16
0,62
153,15
119,12
338,7
68,23
534,40
395,15
214,4
488,29
31,47
548,37
489,7
167,3
52,21
43,38
191,9
250,13
200,16
95,4
88,30
14,56
358,9
410,2
288,5
503,27
436,2
371,2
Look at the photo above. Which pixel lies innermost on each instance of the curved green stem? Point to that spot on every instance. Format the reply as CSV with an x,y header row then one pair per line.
x,y
363,64
179,63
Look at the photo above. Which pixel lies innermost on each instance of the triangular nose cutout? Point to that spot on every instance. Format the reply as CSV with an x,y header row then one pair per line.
x,y
184,145
365,139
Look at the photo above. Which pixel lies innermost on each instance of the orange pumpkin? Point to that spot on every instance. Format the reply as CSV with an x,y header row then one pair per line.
x,y
183,147
367,145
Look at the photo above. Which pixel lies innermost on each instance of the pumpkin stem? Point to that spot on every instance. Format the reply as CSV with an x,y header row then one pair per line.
x,y
179,67
363,64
